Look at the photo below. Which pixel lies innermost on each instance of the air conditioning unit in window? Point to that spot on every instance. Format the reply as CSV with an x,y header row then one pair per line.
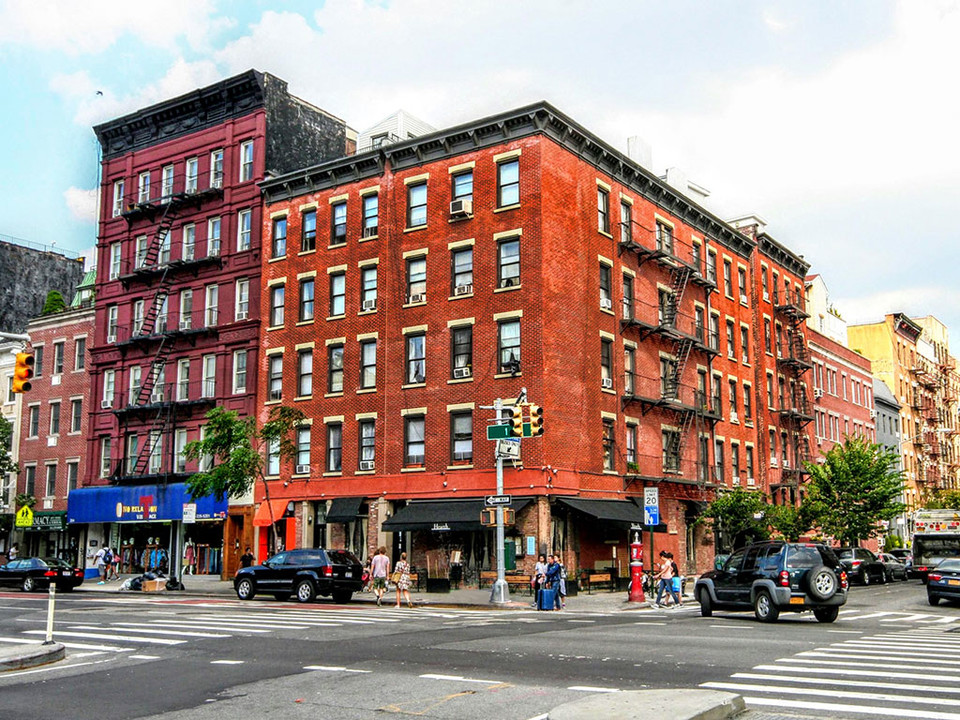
x,y
185,323
873,414
743,299
774,462
606,383
817,393
111,338
461,208
370,304
734,417
751,482
106,404
463,289
156,397
303,469
417,298
461,373
606,304
366,464
786,465
241,315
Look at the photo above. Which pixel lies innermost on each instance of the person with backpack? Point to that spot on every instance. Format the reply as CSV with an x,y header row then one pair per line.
x,y
100,559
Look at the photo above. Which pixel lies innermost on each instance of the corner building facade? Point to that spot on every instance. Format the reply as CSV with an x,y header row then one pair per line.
x,y
406,288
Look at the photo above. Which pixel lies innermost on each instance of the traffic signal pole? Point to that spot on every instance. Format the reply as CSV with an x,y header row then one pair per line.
x,y
501,591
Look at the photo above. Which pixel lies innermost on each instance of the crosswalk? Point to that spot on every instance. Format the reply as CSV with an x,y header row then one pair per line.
x,y
164,628
913,673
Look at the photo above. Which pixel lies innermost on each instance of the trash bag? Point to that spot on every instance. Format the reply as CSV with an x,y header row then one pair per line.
x,y
135,584
174,585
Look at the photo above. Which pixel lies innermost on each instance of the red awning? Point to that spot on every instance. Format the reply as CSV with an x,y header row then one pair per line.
x,y
262,517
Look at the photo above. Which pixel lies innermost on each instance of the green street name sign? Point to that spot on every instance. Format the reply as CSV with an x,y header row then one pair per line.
x,y
498,432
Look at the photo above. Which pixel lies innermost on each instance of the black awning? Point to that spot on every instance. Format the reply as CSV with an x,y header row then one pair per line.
x,y
443,515
621,512
343,510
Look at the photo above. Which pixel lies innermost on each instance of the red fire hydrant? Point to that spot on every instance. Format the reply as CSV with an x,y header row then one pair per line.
x,y
636,570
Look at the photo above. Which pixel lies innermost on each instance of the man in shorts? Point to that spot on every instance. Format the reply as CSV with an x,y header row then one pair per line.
x,y
379,570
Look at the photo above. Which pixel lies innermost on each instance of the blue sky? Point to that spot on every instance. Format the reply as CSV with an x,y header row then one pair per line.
x,y
836,122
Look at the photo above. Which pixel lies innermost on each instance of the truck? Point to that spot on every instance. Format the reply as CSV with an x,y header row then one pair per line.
x,y
936,537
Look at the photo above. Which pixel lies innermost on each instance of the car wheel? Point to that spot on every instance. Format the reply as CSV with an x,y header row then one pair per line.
x,y
933,599
305,591
864,577
764,608
826,614
887,577
905,577
706,604
246,589
282,597
342,597
29,584
822,583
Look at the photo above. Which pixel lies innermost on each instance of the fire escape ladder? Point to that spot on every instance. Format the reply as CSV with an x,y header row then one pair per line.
x,y
681,276
156,369
154,435
681,351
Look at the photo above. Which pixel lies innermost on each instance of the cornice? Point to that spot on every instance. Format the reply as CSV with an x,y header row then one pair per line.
x,y
780,254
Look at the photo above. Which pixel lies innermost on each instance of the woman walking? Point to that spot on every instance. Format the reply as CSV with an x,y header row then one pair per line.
x,y
380,570
402,573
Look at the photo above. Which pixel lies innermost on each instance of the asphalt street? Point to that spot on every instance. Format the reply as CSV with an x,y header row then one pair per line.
x,y
889,654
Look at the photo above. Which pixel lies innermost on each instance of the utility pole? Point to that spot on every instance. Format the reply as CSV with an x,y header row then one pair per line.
x,y
501,591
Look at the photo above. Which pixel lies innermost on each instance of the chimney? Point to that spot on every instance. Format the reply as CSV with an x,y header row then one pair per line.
x,y
750,225
640,152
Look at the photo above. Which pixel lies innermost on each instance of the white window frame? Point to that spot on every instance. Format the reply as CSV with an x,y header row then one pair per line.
x,y
246,163
105,456
109,385
188,238
166,183
244,229
180,443
183,379
191,175
118,189
214,230
112,318
239,358
140,252
216,168
211,304
186,309
134,381
116,250
208,388
242,300
143,187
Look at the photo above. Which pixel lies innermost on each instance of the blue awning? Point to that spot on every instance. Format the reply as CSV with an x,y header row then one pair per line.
x,y
142,503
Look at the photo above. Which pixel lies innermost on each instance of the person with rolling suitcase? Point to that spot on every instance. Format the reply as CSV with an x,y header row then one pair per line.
x,y
550,594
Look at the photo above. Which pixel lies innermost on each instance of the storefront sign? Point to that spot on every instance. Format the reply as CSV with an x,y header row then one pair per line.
x,y
143,503
48,522
440,527
189,513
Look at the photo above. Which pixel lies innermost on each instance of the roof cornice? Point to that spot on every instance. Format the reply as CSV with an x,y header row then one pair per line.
x,y
786,258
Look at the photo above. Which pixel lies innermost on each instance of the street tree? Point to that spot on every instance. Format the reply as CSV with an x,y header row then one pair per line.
x,y
793,521
233,452
943,499
7,465
54,303
855,489
739,517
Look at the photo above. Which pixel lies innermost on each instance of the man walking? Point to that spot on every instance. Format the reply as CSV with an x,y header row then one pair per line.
x,y
379,569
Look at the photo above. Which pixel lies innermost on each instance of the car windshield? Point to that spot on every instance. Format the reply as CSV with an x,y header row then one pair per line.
x,y
950,565
802,557
342,557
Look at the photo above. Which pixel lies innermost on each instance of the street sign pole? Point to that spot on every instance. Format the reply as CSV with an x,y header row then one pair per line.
x,y
501,591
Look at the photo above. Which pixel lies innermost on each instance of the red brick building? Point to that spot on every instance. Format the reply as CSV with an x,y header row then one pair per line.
x,y
843,393
178,297
406,288
54,424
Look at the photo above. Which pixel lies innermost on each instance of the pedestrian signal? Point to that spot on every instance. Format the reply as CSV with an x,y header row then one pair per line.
x,y
22,372
488,517
517,420
536,420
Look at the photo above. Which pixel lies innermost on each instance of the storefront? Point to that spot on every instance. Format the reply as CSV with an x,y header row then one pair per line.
x,y
47,536
149,526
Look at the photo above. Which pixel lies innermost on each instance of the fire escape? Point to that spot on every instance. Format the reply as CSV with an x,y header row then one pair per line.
x,y
796,412
948,380
691,408
153,405
929,446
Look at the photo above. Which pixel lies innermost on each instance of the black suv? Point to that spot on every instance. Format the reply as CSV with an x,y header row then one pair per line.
x,y
305,573
771,577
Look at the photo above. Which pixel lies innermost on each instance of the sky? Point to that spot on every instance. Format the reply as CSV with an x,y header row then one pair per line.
x,y
836,122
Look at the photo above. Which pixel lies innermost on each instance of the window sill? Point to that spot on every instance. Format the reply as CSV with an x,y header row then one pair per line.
x,y
367,312
274,327
336,247
605,234
419,304
459,297
507,289
460,380
277,259
366,391
606,311
460,467
507,208
334,394
365,472
305,322
733,422
240,391
415,229
299,476
298,398
307,252
610,472
368,238
337,317
338,473
413,385
73,432
507,375
608,391
413,469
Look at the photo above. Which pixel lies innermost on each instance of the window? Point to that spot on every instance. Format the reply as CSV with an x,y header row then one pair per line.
x,y
303,449
164,257
748,455
308,231
76,415
338,294
183,379
274,377
140,251
209,367
461,340
367,434
670,442
334,447
134,381
279,238
770,391
33,424
745,344
461,271
508,263
669,387
698,327
416,279
239,371
742,283
109,378
627,297
631,441
712,266
696,257
664,238
338,223
51,480
603,210
715,332
371,213
731,341
143,187
216,169
244,218
508,183
715,394
276,305
192,175
273,457
413,440
666,308
727,279
246,161
186,309
629,367
104,457
765,283
416,205
213,237
55,418
508,346
767,346
37,360
626,222
58,358
211,305
773,447
115,250
30,479
719,461
701,395
73,471
747,404
118,197
306,300
462,186
461,438
111,325
179,444
734,404
242,300
606,287
416,368
735,462
304,373
368,364
166,183
368,288
606,363
335,369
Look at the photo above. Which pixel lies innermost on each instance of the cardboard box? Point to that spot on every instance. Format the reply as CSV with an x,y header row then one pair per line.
x,y
154,585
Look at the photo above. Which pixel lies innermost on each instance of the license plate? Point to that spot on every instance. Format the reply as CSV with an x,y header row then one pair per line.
x,y
953,582
348,574
796,601
65,573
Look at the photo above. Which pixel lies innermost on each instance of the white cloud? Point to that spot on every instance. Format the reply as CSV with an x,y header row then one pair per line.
x,y
914,301
81,203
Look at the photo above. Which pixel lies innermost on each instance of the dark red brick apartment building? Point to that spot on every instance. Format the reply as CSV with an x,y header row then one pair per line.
x,y
406,288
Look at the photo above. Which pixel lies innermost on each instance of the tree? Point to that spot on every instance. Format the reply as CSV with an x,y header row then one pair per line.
x,y
856,488
944,499
739,517
54,303
791,521
7,465
236,450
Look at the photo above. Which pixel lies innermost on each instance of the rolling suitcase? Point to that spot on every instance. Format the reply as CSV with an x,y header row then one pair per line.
x,y
546,599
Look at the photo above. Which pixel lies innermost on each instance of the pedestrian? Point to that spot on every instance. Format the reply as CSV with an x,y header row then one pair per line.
x,y
401,574
380,571
677,580
539,577
100,559
665,579
13,552
563,583
112,573
246,560
553,579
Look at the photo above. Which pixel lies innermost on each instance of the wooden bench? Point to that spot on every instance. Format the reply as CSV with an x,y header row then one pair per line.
x,y
487,576
415,579
591,579
490,576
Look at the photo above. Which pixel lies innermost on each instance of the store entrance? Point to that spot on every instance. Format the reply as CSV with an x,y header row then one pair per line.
x,y
142,547
203,548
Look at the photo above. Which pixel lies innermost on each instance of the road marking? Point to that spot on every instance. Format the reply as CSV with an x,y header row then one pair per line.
x,y
847,671
581,621
732,626
144,657
588,688
860,663
545,716
943,621
329,668
841,682
18,673
872,615
74,646
227,662
907,656
858,709
141,629
847,632
460,678
649,623
908,618
205,626
105,636
743,687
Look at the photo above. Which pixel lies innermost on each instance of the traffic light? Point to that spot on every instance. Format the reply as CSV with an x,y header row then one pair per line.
x,y
516,417
22,372
536,420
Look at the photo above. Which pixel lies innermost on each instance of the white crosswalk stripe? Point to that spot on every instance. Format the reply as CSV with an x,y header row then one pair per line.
x,y
909,674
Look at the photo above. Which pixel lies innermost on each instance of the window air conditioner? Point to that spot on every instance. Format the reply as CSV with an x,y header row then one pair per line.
x,y
303,469
606,383
184,323
106,404
156,397
751,482
463,289
370,304
873,414
418,298
366,464
461,373
743,299
786,465
774,462
241,315
606,304
817,393
461,208
734,417
111,338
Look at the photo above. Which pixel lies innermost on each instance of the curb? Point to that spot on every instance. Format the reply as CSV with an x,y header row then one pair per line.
x,y
20,658
644,704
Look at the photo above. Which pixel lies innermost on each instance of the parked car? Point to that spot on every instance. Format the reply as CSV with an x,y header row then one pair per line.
x,y
719,559
33,573
893,568
903,555
943,582
862,565
774,577
304,573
